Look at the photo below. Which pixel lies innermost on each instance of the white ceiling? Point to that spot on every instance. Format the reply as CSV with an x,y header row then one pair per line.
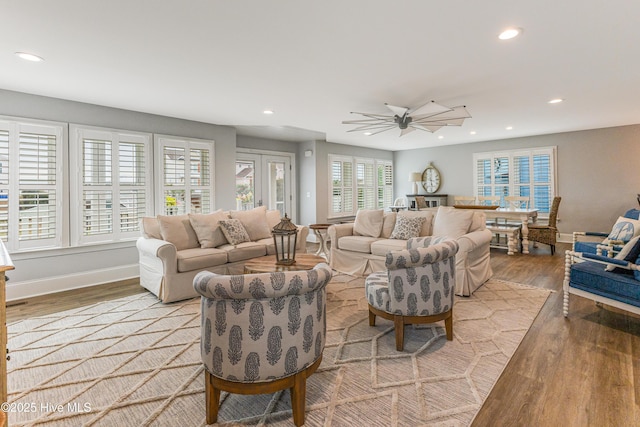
x,y
313,62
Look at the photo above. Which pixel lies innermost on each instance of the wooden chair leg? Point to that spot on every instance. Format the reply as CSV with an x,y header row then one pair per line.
x,y
298,397
399,330
448,325
372,319
212,398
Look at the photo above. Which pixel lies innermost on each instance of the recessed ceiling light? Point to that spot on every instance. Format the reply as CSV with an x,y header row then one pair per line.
x,y
509,127
473,132
367,133
510,33
556,101
441,137
267,112
29,57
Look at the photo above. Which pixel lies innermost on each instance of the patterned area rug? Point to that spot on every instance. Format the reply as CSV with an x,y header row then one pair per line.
x,y
136,362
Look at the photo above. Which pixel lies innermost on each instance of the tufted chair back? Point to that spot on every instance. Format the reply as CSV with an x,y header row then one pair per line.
x,y
418,286
261,328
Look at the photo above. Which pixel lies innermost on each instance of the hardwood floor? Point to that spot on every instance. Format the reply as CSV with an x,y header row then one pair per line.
x,y
580,371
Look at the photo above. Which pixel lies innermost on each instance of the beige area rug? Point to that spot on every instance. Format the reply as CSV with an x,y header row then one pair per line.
x,y
136,362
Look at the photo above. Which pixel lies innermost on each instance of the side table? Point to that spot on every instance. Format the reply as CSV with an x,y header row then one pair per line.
x,y
320,231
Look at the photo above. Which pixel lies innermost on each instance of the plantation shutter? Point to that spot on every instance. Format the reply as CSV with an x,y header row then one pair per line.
x,y
37,178
186,175
365,184
385,185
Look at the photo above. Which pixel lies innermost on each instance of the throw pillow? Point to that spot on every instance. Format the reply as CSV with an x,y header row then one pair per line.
x,y
207,228
368,222
407,227
452,222
623,230
254,222
150,228
630,252
234,231
388,224
177,229
428,219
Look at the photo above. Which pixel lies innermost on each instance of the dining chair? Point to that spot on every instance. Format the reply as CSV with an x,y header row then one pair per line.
x,y
547,233
489,200
464,200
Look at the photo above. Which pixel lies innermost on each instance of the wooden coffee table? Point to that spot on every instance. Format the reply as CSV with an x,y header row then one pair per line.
x,y
267,264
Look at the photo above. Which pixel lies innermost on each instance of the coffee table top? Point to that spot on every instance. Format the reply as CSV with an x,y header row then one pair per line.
x,y
267,264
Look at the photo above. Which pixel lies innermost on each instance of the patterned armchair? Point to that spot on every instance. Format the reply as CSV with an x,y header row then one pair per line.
x,y
418,286
262,333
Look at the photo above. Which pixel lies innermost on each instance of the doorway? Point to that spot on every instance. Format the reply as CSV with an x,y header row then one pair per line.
x,y
265,179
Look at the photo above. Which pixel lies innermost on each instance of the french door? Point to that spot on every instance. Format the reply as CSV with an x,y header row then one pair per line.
x,y
264,179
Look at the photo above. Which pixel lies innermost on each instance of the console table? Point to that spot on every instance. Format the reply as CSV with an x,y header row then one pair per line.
x,y
433,200
5,265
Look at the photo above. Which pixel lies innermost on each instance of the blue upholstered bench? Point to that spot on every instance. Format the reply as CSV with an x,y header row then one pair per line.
x,y
585,276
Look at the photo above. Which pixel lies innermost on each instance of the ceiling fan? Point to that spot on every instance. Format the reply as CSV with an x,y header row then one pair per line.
x,y
429,117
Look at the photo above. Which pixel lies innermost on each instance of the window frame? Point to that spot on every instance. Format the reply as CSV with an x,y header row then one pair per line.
x,y
512,185
354,187
15,127
188,144
78,134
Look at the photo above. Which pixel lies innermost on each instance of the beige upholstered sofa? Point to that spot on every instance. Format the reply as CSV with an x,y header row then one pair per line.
x,y
173,249
360,248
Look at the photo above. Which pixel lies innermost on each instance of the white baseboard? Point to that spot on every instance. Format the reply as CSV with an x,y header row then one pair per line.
x,y
565,237
50,285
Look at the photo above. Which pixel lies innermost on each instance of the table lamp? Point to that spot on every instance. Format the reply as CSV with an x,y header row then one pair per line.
x,y
415,177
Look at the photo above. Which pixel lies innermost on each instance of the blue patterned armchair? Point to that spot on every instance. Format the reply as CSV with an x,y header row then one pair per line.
x,y
600,247
418,286
262,333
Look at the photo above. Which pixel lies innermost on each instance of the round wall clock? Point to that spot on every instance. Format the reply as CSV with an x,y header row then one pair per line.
x,y
431,179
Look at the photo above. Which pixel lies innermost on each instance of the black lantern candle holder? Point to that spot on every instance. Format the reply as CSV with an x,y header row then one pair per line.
x,y
285,238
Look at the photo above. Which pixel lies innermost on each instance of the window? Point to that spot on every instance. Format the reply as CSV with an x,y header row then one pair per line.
x,y
359,184
185,175
529,173
31,214
112,188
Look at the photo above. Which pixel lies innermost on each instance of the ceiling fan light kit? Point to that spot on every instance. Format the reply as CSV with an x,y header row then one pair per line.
x,y
429,117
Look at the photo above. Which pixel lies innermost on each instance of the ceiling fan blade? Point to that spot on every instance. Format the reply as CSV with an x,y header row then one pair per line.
x,y
383,130
428,127
368,121
372,126
430,108
407,130
398,111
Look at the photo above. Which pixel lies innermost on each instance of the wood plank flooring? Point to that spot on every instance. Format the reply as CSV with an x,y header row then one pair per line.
x,y
580,371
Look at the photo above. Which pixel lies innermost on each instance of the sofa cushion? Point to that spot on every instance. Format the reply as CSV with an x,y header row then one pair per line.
x,y
356,243
208,230
254,221
198,259
368,222
382,246
624,230
478,221
591,277
407,227
177,229
452,222
388,223
242,251
234,231
273,218
150,228
268,243
428,215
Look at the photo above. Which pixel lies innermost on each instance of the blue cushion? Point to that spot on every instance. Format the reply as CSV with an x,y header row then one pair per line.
x,y
591,277
632,214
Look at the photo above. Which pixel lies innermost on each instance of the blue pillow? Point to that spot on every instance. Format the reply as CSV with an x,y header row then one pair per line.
x,y
630,253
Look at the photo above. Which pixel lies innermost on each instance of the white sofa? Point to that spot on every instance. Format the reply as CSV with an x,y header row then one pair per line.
x,y
173,249
360,248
